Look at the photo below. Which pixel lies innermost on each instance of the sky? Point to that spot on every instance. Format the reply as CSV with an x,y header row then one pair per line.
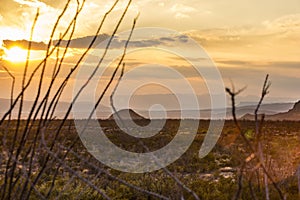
x,y
244,39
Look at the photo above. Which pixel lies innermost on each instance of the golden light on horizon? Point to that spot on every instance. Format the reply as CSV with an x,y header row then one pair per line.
x,y
15,54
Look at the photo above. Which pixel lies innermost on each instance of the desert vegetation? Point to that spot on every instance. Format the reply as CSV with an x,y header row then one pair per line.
x,y
217,176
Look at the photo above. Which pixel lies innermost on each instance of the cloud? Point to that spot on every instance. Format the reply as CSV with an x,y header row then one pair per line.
x,y
180,15
9,10
153,42
161,4
77,45
182,11
287,22
1,53
32,3
182,8
24,44
101,42
54,3
1,49
283,27
265,42
167,39
259,64
83,42
18,16
182,38
119,43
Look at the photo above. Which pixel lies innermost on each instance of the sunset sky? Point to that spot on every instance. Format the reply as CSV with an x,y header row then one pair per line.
x,y
245,39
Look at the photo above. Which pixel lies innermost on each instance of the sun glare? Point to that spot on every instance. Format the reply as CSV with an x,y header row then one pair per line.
x,y
15,54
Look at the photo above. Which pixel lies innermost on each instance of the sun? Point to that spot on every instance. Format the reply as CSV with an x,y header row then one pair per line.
x,y
15,54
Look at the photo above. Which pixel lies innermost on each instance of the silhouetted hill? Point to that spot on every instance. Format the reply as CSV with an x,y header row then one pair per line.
x,y
126,114
296,108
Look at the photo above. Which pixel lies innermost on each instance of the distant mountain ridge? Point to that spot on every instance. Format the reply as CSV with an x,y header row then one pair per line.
x,y
62,107
291,115
104,112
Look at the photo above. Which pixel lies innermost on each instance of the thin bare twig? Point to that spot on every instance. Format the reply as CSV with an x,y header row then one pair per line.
x,y
233,94
258,127
10,186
